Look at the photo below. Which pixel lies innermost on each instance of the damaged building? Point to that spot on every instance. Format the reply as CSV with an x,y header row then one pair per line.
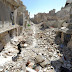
x,y
7,30
53,19
39,44
64,31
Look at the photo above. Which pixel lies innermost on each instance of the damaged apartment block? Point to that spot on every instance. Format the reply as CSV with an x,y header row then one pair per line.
x,y
39,44
7,29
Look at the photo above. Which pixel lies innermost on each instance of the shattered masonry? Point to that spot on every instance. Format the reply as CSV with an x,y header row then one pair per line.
x,y
39,44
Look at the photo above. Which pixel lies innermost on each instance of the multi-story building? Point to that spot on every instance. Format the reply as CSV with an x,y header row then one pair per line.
x,y
7,30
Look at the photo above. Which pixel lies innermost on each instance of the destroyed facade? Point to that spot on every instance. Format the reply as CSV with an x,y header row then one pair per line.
x,y
39,44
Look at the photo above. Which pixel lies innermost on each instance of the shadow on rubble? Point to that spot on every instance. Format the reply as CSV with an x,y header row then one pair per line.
x,y
43,28
20,45
65,54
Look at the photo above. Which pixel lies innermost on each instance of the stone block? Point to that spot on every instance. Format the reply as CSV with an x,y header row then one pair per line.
x,y
45,63
39,58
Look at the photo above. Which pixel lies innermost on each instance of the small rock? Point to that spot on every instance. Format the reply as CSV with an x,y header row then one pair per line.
x,y
39,58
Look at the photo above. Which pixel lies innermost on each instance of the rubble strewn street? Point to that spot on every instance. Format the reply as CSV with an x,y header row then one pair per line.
x,y
41,52
39,44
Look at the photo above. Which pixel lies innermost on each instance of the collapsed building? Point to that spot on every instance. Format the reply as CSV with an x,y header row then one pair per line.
x,y
41,47
68,2
54,19
42,17
62,24
65,30
7,30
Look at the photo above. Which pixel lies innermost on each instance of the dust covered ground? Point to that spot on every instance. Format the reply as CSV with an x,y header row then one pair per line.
x,y
37,41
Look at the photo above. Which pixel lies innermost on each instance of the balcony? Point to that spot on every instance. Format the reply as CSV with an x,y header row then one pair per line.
x,y
7,26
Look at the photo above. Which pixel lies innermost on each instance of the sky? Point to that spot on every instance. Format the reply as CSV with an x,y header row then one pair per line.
x,y
36,6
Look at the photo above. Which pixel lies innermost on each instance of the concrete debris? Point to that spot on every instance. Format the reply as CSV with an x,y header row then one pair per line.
x,y
45,63
42,47
44,56
39,59
14,58
30,70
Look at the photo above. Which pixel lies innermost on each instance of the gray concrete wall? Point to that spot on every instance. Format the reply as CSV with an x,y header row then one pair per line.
x,y
20,20
4,39
4,12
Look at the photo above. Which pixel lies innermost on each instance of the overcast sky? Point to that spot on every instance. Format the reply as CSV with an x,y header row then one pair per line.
x,y
36,6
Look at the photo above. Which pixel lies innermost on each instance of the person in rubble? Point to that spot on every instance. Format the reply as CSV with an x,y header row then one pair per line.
x,y
14,58
19,48
12,17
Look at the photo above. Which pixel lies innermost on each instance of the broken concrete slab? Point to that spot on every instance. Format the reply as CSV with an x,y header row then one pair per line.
x,y
39,59
45,63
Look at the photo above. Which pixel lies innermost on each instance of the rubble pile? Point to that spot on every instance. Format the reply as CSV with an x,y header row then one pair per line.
x,y
41,47
44,56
